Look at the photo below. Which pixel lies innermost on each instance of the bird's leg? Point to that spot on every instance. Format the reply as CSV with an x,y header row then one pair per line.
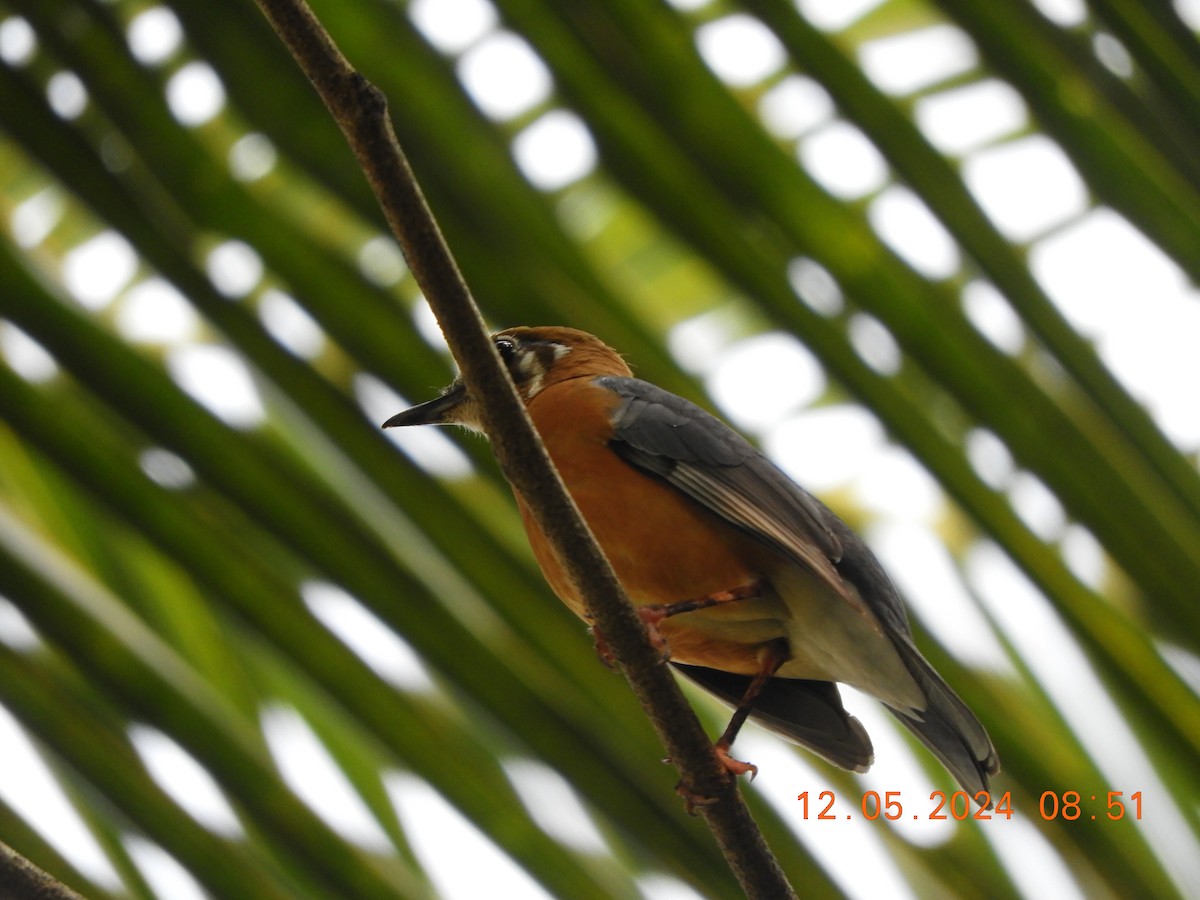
x,y
603,650
773,656
654,613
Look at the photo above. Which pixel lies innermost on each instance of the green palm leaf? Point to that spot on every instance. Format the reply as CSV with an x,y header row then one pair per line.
x,y
188,570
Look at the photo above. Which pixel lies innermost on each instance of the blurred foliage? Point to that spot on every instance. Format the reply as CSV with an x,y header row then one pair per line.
x,y
172,562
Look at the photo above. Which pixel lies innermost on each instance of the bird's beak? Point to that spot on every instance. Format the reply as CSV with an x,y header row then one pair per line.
x,y
438,411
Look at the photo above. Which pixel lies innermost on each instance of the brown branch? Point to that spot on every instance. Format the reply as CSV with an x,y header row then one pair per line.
x,y
361,111
22,880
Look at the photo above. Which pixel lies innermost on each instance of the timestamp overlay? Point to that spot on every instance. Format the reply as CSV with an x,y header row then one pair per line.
x,y
982,806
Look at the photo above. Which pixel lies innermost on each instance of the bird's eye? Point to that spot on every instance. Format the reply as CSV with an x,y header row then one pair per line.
x,y
506,348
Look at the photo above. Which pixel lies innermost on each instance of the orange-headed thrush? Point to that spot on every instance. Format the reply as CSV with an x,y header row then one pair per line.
x,y
763,596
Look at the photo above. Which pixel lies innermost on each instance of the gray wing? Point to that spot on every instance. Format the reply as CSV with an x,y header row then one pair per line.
x,y
672,438
658,432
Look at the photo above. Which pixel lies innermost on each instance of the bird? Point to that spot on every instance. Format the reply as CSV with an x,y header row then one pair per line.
x,y
759,593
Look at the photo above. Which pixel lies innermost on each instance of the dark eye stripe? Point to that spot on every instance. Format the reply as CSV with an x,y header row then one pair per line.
x,y
528,362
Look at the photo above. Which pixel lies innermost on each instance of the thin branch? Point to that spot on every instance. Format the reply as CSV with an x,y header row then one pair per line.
x,y
22,880
361,111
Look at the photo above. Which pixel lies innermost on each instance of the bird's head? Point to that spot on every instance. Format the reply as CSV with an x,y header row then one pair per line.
x,y
536,358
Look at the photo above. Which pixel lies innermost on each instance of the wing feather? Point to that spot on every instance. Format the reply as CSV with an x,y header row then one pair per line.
x,y
663,434
669,437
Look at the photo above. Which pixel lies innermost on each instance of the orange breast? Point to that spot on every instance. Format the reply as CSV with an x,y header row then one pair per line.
x,y
663,546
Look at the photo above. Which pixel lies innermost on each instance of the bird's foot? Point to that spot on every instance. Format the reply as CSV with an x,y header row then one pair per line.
x,y
603,650
651,616
693,800
734,767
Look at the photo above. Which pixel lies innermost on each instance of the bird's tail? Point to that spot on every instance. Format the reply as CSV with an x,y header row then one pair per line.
x,y
948,727
807,712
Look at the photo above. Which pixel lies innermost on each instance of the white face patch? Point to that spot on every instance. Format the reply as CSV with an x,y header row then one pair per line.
x,y
466,415
534,364
529,363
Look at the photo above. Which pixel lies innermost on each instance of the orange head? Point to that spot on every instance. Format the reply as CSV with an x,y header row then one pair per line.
x,y
536,358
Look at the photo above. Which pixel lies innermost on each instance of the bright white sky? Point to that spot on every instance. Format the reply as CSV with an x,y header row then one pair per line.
x,y
1109,281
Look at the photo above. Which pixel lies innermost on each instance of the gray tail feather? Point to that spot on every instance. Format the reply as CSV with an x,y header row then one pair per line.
x,y
807,712
948,727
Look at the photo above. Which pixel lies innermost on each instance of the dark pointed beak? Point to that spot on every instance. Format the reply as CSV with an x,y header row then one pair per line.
x,y
432,412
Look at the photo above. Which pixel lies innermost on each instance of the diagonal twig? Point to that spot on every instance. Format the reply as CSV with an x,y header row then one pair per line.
x,y
361,112
22,880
